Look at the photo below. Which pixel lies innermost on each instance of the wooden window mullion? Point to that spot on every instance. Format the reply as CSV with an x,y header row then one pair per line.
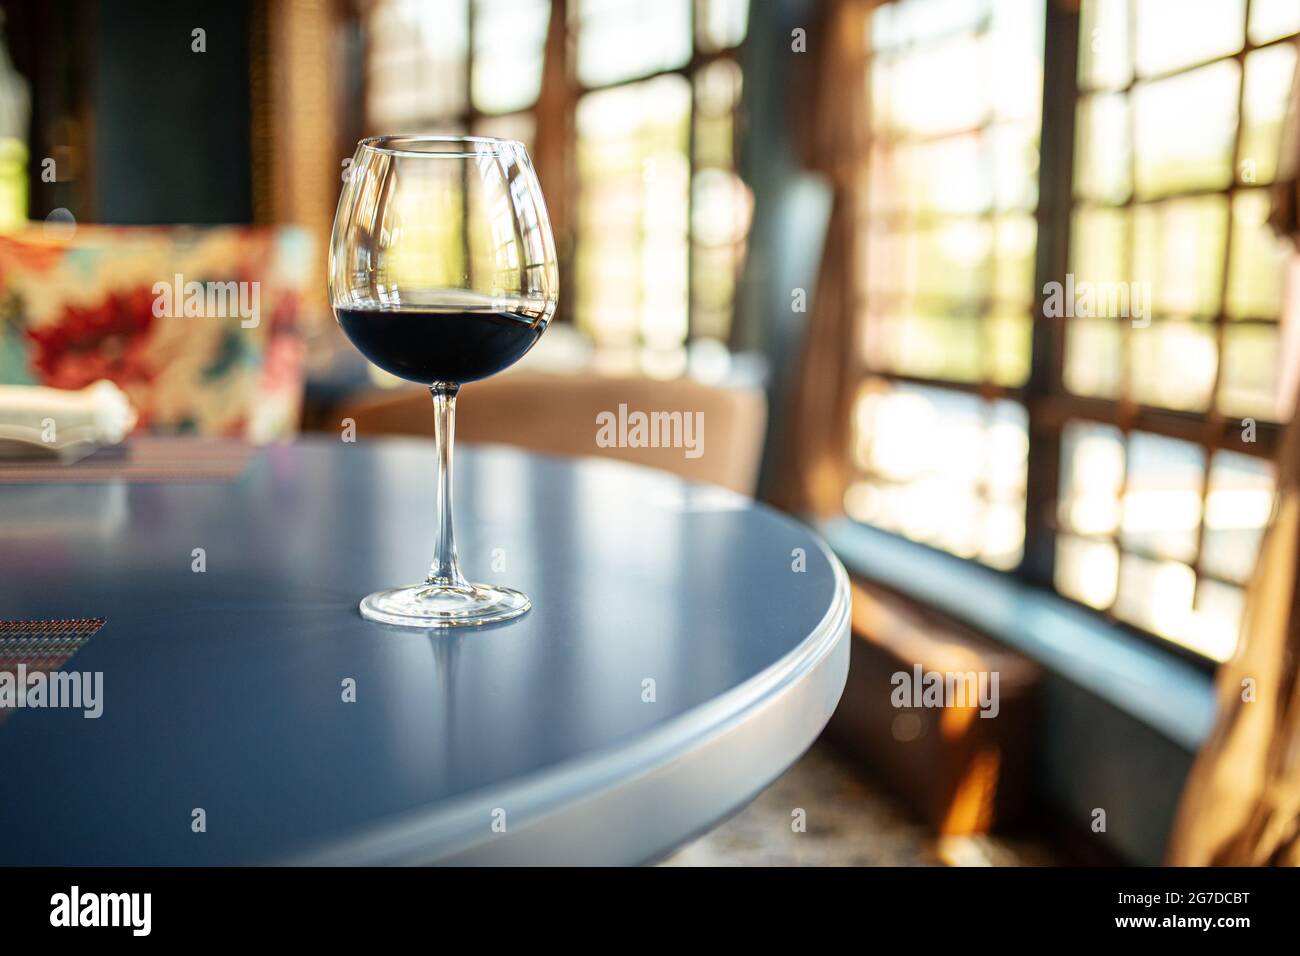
x,y
1052,261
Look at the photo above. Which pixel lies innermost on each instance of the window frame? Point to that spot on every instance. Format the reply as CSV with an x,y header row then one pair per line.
x,y
565,199
1048,404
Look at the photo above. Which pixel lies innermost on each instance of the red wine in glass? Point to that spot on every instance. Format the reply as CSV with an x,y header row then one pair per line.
x,y
428,345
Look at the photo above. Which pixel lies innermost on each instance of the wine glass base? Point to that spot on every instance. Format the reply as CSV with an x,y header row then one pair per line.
x,y
433,605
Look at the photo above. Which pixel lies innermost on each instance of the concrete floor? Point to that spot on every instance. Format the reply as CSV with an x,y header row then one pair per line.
x,y
850,820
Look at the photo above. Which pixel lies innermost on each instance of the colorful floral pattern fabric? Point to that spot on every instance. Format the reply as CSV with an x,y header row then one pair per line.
x,y
199,326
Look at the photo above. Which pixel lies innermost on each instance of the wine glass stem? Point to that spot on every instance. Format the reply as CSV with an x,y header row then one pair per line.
x,y
445,570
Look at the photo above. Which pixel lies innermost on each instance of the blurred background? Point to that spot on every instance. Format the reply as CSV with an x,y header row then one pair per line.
x,y
835,227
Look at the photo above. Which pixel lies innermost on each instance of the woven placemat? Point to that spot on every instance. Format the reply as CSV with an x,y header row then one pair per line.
x,y
141,459
31,647
44,645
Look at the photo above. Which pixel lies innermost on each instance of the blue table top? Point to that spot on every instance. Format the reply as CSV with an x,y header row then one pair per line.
x,y
224,690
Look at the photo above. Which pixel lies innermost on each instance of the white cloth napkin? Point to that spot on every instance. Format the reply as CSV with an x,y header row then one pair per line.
x,y
55,418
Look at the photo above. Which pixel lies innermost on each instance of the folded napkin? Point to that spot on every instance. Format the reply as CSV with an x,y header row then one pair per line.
x,y
52,419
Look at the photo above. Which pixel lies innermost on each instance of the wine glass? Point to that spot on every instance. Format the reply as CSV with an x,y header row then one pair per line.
x,y
442,271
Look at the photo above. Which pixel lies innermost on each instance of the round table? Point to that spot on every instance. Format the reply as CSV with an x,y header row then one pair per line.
x,y
684,647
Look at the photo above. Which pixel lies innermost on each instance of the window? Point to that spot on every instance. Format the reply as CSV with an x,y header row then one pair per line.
x,y
455,66
1152,403
948,293
658,212
417,66
662,214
